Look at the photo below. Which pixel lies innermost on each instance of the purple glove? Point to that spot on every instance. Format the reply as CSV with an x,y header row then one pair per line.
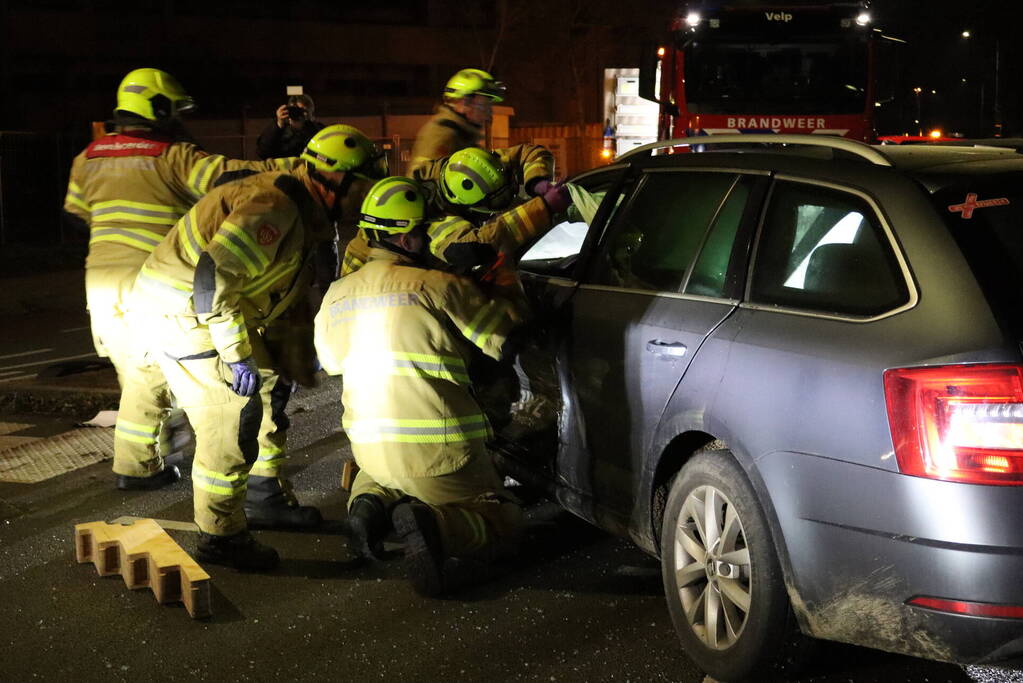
x,y
540,187
557,198
246,377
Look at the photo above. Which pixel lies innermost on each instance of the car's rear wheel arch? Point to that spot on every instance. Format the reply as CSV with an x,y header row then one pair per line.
x,y
672,458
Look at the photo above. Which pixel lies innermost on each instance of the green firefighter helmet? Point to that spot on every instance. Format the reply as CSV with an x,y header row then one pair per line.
x,y
395,205
345,148
152,94
474,82
476,178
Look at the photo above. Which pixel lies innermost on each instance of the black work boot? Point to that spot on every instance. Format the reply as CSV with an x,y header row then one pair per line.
x,y
367,518
271,505
168,475
424,554
240,551
282,515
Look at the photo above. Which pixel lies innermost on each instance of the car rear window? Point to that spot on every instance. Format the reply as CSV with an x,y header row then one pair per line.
x,y
985,216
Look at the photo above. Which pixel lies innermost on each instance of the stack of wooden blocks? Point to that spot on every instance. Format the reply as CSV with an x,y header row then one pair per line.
x,y
145,556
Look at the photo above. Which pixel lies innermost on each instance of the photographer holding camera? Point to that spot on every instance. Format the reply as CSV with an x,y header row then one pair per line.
x,y
288,135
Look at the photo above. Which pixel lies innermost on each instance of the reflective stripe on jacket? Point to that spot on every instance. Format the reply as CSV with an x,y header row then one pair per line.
x,y
237,259
402,336
131,187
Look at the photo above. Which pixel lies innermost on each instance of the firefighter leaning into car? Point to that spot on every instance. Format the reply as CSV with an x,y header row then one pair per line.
x,y
459,120
130,187
212,291
477,191
402,334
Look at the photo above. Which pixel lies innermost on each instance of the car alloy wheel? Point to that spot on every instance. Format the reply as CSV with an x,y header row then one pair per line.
x,y
714,570
723,582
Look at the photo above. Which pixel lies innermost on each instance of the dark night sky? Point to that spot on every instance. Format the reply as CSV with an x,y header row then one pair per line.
x,y
552,54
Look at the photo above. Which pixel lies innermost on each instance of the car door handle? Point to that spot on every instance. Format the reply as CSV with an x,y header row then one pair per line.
x,y
663,348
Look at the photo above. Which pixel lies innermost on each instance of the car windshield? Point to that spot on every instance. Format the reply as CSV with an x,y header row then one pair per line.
x,y
764,78
985,215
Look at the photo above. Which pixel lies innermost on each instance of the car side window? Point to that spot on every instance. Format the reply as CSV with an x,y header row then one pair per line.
x,y
654,238
710,274
562,243
825,250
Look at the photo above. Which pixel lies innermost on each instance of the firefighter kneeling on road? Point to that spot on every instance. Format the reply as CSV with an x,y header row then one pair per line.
x,y
402,334
238,261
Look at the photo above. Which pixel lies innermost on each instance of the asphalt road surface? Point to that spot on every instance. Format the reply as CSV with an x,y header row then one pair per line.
x,y
579,605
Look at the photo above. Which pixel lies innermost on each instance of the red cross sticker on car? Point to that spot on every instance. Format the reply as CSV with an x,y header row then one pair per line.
x,y
967,208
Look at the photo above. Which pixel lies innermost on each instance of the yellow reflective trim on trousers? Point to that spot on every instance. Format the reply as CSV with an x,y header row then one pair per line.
x,y
146,440
128,240
136,433
245,249
218,482
428,430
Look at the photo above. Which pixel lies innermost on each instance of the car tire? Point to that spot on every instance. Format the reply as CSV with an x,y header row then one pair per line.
x,y
729,605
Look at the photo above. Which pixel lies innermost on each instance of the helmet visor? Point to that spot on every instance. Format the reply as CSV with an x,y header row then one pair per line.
x,y
185,105
375,167
495,90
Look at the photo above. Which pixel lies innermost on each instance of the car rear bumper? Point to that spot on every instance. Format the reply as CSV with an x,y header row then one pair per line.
x,y
862,542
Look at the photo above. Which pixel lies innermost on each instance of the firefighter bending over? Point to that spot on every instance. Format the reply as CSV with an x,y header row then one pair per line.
x,y
212,290
403,335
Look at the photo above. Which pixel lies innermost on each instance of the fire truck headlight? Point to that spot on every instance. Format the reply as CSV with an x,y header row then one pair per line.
x,y
863,18
693,19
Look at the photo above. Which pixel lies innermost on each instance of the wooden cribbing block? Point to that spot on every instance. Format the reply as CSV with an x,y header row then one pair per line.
x,y
145,556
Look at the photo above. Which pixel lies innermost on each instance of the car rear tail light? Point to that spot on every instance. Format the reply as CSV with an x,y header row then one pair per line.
x,y
958,422
973,609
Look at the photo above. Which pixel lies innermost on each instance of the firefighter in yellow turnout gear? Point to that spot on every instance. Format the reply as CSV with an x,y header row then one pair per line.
x,y
130,187
459,120
476,190
403,334
238,261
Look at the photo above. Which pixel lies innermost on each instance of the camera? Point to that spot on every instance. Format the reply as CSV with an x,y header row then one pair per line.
x,y
296,112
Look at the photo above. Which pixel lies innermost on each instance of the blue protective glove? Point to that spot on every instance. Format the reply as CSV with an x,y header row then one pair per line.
x,y
247,379
540,187
557,198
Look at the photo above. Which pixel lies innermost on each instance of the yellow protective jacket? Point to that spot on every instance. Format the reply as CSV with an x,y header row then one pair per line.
x,y
506,233
445,133
403,335
238,259
131,186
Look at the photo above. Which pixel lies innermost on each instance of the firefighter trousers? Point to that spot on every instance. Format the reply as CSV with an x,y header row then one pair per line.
x,y
476,515
239,452
141,437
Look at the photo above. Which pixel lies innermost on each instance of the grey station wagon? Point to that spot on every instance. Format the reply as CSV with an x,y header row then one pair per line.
x,y
791,368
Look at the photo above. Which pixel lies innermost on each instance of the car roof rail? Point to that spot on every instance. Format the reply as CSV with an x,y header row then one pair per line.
x,y
860,149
